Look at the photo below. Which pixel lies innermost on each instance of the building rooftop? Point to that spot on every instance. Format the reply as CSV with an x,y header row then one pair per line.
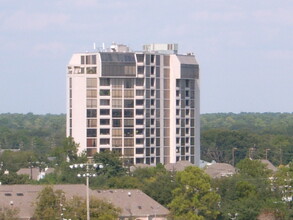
x,y
132,202
178,166
217,170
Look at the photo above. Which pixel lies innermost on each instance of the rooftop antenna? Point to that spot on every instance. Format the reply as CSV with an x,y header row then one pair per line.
x,y
103,46
94,46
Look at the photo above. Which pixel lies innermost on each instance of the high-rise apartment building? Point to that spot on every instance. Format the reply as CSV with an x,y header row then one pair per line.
x,y
144,104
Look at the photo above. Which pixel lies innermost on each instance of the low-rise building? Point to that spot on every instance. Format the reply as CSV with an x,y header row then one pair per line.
x,y
133,203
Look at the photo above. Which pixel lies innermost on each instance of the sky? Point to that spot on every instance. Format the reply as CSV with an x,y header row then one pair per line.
x,y
244,48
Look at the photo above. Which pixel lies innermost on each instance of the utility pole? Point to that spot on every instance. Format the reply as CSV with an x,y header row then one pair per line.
x,y
250,152
267,149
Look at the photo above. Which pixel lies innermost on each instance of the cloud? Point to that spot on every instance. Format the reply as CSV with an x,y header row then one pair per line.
x,y
22,20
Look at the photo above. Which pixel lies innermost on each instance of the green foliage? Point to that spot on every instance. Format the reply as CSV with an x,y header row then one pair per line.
x,y
37,133
250,192
157,182
253,168
13,161
194,197
99,209
13,178
8,213
52,203
113,164
222,132
48,204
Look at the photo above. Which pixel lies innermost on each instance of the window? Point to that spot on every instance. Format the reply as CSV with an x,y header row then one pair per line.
x,y
91,113
117,113
139,102
91,103
116,83
187,93
116,142
140,58
104,92
104,141
128,103
91,93
128,122
104,112
152,82
128,93
139,150
186,83
139,141
116,132
91,123
139,111
116,93
91,70
128,132
139,82
139,121
140,70
104,131
177,102
104,82
129,83
104,121
117,122
139,92
104,102
91,83
89,59
152,70
128,113
117,103
91,132
139,131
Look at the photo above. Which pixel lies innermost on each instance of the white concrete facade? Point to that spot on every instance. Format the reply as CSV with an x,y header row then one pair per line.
x,y
145,105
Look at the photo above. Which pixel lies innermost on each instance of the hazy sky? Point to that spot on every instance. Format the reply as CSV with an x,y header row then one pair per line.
x,y
244,48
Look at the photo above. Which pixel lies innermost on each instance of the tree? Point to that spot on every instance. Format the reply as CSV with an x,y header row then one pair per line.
x,y
194,198
75,209
8,213
49,203
113,165
253,168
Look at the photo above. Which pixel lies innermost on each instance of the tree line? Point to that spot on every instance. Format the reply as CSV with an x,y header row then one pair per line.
x,y
263,135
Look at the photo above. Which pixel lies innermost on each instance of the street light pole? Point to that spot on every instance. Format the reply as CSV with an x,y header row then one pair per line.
x,y
87,194
267,149
87,174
